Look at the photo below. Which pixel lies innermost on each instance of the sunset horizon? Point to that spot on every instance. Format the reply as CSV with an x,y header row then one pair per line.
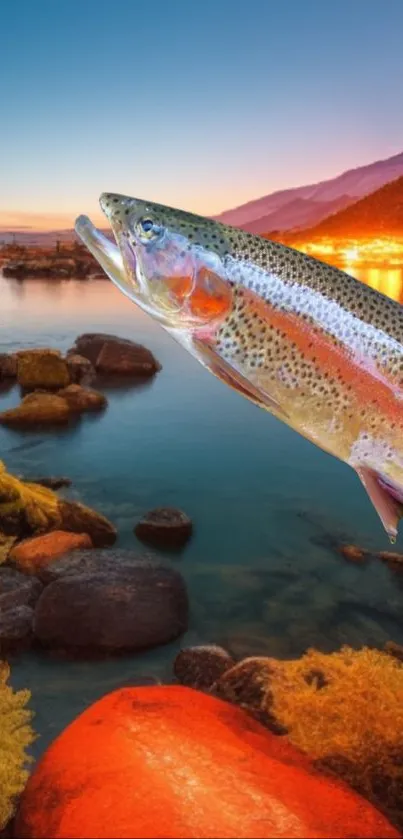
x,y
19,221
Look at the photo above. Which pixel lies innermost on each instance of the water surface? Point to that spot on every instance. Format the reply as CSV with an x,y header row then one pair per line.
x,y
262,575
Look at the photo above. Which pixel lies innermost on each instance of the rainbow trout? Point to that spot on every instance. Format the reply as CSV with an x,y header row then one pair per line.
x,y
301,339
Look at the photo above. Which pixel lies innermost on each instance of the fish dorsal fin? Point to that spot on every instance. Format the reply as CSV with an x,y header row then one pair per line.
x,y
236,380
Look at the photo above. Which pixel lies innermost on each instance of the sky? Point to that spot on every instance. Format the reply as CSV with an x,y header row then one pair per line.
x,y
200,104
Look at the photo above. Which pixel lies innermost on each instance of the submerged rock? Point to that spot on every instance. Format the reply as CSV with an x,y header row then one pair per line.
x,y
27,509
8,366
37,410
353,552
112,355
168,761
81,399
42,368
133,606
390,556
31,555
200,667
164,527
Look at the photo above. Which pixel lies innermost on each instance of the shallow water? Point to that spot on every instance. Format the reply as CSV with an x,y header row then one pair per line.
x,y
261,574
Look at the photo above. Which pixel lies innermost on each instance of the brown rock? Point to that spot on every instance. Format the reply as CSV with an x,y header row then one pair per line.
x,y
200,667
390,556
353,553
394,649
27,509
42,368
164,527
81,399
8,366
32,555
116,356
81,370
77,518
248,685
130,606
18,589
37,410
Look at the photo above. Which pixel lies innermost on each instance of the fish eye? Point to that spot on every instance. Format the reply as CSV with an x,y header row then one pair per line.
x,y
147,229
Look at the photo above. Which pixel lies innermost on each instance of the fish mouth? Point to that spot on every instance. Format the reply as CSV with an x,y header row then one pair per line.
x,y
107,254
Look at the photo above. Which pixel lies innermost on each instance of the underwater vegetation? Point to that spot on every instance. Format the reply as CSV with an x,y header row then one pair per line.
x,y
16,734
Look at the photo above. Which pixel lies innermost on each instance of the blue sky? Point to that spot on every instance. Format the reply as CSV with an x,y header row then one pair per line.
x,y
203,105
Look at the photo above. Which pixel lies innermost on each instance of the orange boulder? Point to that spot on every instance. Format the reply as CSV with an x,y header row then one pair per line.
x,y
175,763
32,555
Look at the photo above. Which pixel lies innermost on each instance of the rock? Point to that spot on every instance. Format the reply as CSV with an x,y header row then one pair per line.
x,y
37,410
77,518
390,556
396,650
80,369
28,509
42,368
353,553
168,761
50,483
164,527
200,667
248,685
31,555
132,607
80,399
17,589
15,630
111,355
91,562
8,366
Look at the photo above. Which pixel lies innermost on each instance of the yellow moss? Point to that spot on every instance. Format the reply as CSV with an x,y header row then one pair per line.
x,y
346,711
16,735
39,505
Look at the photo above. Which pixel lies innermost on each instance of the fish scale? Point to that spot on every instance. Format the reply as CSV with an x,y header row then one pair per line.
x,y
307,342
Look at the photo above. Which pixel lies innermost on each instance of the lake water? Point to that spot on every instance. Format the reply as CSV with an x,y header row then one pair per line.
x,y
261,574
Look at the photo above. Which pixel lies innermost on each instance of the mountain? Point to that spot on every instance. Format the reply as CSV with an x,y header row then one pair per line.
x,y
307,205
378,214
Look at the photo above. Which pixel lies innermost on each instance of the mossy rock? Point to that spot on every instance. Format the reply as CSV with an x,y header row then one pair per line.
x,y
34,509
42,368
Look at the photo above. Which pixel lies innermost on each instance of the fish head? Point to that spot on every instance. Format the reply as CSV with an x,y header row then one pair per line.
x,y
172,260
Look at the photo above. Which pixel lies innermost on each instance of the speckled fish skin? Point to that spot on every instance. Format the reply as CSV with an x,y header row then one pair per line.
x,y
314,346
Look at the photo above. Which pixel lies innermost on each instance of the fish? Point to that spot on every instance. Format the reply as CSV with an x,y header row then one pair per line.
x,y
303,340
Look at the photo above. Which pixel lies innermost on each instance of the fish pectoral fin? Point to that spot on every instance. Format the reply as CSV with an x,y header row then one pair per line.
x,y
388,507
236,380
